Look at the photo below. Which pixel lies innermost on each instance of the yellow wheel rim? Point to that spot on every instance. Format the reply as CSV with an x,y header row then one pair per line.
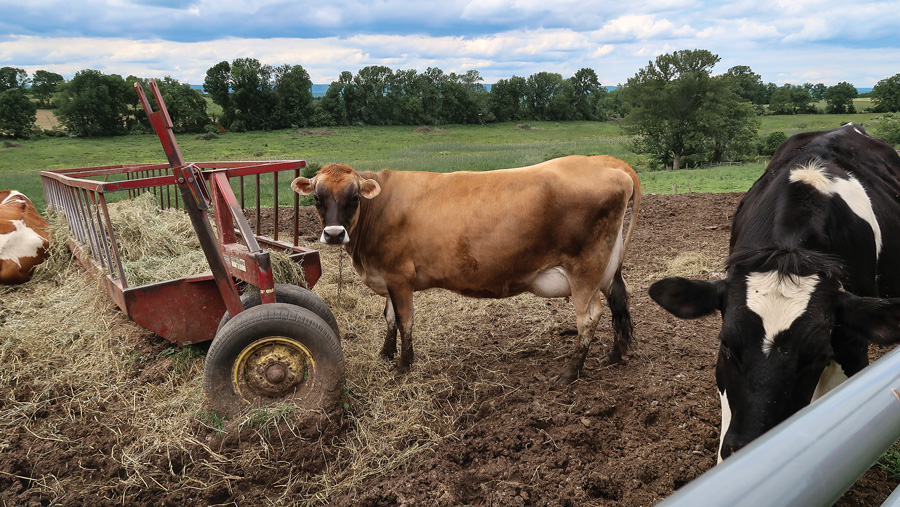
x,y
273,367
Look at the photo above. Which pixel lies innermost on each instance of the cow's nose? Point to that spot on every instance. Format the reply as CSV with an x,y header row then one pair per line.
x,y
334,235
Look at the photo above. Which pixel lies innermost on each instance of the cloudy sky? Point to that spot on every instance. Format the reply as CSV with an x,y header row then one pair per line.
x,y
785,41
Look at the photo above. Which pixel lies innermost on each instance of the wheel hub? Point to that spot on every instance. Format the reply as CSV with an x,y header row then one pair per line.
x,y
272,367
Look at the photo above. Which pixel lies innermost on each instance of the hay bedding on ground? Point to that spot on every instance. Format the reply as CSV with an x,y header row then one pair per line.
x,y
96,411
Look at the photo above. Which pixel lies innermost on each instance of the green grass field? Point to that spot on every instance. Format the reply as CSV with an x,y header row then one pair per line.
x,y
452,148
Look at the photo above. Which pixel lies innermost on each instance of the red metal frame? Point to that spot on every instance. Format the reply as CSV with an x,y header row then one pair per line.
x,y
185,310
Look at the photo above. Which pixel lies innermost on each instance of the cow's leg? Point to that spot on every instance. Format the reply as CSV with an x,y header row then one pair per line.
x,y
402,301
588,307
617,298
390,337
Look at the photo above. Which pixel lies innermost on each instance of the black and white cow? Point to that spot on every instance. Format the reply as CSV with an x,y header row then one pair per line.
x,y
813,271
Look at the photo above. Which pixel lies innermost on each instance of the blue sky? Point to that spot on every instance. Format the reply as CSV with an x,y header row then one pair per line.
x,y
785,41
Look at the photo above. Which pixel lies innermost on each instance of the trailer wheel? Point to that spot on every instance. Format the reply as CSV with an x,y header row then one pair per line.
x,y
274,353
291,294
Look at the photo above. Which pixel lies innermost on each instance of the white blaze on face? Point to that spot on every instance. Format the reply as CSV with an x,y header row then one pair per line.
x,y
850,190
778,301
726,421
20,243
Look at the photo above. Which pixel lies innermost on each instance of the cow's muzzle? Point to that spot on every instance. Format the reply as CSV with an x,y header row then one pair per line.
x,y
334,235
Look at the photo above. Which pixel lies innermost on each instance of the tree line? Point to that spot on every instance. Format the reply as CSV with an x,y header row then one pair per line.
x,y
674,108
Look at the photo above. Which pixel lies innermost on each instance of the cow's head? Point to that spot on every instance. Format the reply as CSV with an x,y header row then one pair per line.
x,y
785,318
337,190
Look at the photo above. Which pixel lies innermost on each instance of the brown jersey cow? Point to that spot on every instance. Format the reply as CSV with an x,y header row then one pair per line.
x,y
23,237
554,229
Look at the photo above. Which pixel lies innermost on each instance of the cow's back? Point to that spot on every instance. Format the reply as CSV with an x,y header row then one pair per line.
x,y
775,212
23,237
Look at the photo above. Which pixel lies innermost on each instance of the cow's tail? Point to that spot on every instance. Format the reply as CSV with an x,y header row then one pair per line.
x,y
635,206
617,295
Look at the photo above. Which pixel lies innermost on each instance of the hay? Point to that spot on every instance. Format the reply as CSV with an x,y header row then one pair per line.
x,y
691,265
158,245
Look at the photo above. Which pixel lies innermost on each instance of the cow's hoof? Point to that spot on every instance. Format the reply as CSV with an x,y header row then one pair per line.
x,y
387,355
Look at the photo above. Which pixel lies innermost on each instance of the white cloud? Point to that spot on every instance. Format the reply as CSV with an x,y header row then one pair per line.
x,y
640,26
783,40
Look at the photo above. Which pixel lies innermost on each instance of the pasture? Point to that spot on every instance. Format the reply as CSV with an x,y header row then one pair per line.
x,y
447,148
95,410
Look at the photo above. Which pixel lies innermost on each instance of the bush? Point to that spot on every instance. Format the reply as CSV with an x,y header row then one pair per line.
x,y
889,129
772,143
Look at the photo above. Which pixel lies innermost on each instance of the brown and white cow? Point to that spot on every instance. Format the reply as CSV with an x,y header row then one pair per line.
x,y
23,237
554,229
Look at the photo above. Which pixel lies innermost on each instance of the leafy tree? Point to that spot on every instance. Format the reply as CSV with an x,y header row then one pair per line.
x,y
816,91
507,100
371,85
94,104
587,94
679,111
337,97
405,97
432,99
839,98
791,99
613,105
44,84
747,84
563,102
186,106
771,88
772,142
13,78
217,85
886,95
293,91
541,87
463,98
17,114
252,95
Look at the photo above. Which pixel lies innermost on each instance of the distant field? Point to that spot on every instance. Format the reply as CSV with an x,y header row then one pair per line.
x,y
449,148
46,120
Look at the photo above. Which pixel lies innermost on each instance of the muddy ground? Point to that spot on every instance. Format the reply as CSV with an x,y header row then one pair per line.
x,y
626,435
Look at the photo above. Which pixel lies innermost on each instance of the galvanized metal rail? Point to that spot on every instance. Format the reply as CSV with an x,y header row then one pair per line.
x,y
816,455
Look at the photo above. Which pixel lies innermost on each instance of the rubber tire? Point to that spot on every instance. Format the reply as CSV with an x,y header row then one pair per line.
x,y
321,390
291,294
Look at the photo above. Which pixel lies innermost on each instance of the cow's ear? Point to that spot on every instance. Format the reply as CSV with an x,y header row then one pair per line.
x,y
874,319
303,186
688,299
369,189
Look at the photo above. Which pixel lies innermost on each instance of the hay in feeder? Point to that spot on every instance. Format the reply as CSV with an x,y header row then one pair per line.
x,y
157,245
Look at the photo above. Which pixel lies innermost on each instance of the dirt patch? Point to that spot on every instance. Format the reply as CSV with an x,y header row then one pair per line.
x,y
497,431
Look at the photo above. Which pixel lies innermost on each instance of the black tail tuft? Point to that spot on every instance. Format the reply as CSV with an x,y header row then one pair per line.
x,y
617,298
